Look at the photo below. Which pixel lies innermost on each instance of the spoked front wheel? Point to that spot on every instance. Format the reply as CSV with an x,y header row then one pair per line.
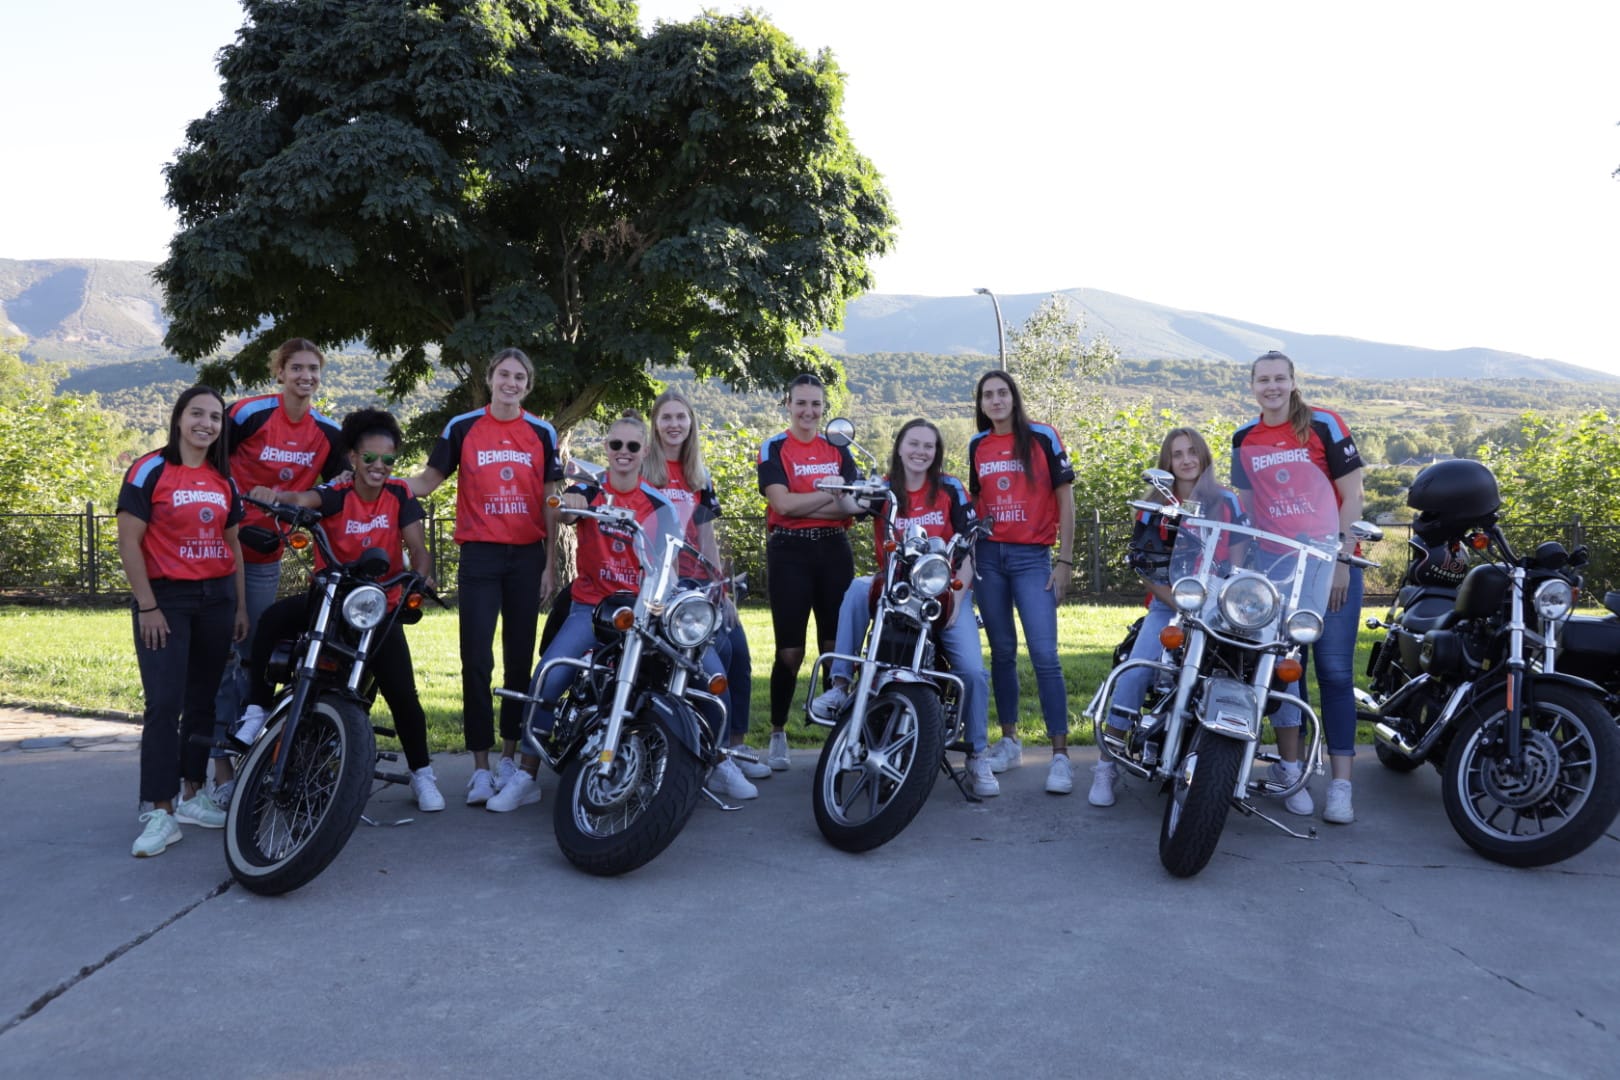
x,y
1562,799
277,840
876,771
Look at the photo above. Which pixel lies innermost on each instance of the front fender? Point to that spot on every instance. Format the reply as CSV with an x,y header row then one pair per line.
x,y
1494,683
679,718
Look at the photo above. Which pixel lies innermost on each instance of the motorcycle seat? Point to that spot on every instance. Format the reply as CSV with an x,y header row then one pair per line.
x,y
1428,612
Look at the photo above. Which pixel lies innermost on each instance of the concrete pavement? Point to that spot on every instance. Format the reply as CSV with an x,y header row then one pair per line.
x,y
1027,936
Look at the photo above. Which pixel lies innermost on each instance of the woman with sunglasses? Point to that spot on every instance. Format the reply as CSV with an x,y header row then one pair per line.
x,y
940,505
508,465
177,518
808,561
1316,439
675,467
1020,474
605,565
370,510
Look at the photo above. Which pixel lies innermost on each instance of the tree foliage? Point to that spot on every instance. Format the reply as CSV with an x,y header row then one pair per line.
x,y
450,178
1057,367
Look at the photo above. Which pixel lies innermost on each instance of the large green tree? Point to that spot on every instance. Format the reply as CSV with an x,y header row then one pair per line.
x,y
449,178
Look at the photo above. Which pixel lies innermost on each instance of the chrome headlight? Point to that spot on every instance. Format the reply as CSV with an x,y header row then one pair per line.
x,y
1305,627
691,620
1189,594
365,607
931,575
1249,602
1554,600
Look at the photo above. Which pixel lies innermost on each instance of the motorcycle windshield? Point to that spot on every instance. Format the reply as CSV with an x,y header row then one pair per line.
x,y
1285,531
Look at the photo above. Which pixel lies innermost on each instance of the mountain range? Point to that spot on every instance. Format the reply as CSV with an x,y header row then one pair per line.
x,y
99,311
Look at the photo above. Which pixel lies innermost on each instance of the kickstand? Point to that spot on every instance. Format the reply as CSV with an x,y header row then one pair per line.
x,y
958,777
718,801
375,824
1249,810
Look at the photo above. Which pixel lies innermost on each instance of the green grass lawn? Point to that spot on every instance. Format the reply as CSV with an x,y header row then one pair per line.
x,y
83,660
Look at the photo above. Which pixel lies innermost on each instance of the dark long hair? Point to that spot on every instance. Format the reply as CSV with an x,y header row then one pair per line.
x,y
365,422
1020,421
897,468
216,454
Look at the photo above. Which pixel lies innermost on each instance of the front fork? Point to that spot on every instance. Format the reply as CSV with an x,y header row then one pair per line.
x,y
623,687
1512,738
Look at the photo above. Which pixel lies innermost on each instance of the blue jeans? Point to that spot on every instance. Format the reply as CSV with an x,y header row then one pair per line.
x,y
575,638
1131,687
262,580
1014,576
1334,659
731,646
960,641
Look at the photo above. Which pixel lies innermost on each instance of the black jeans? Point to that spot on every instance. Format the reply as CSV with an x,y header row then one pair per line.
x,y
390,665
181,679
804,575
497,580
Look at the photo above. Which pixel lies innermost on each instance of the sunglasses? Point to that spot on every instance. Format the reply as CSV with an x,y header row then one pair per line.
x,y
621,444
371,458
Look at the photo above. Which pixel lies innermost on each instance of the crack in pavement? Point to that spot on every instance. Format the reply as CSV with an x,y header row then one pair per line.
x,y
1411,924
1483,867
90,969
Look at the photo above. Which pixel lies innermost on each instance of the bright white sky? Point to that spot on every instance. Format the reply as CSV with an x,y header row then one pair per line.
x,y
1430,173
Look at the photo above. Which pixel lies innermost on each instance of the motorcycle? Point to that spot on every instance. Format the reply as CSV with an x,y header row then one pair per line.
x,y
302,784
1471,676
878,766
1248,602
642,722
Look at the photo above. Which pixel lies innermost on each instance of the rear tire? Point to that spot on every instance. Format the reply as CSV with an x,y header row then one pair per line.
x,y
1394,762
876,771
1200,796
1567,795
275,843
612,825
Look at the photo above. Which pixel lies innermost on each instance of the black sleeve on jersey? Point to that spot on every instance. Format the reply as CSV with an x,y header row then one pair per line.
x,y
846,465
446,453
707,508
771,470
1057,460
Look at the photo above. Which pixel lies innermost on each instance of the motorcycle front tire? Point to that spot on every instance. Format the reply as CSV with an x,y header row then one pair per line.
x,y
613,825
275,843
865,806
1571,780
1200,796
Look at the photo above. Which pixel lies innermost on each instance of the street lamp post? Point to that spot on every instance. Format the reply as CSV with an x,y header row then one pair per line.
x,y
1001,330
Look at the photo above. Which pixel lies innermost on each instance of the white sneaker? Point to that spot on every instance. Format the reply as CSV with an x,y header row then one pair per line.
x,y
521,790
480,787
985,784
505,768
1007,753
161,831
425,786
252,723
728,782
754,770
1104,775
1286,772
777,757
200,810
1060,775
830,703
1338,809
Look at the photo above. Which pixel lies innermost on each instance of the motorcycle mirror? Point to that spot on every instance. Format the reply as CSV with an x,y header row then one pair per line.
x,y
841,431
1159,478
1366,530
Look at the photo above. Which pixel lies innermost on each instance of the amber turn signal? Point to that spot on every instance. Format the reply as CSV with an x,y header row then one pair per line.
x,y
624,619
554,501
1172,637
1290,670
1479,541
717,684
413,602
298,541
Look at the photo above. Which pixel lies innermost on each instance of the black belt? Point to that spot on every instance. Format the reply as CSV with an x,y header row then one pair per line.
x,y
819,532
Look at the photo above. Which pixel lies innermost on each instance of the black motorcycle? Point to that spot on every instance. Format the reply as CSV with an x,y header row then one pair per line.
x,y
1472,676
302,785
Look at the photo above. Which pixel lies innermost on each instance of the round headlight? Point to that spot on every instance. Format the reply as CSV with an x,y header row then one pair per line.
x,y
1188,594
931,575
1554,600
365,607
691,620
1305,627
1249,602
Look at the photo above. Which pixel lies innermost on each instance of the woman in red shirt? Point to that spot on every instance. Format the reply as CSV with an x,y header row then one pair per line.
x,y
177,517
808,562
507,460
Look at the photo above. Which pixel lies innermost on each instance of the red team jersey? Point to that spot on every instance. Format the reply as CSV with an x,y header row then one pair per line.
x,y
267,449
186,512
1022,503
1274,503
692,509
606,563
352,525
505,466
948,514
796,465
